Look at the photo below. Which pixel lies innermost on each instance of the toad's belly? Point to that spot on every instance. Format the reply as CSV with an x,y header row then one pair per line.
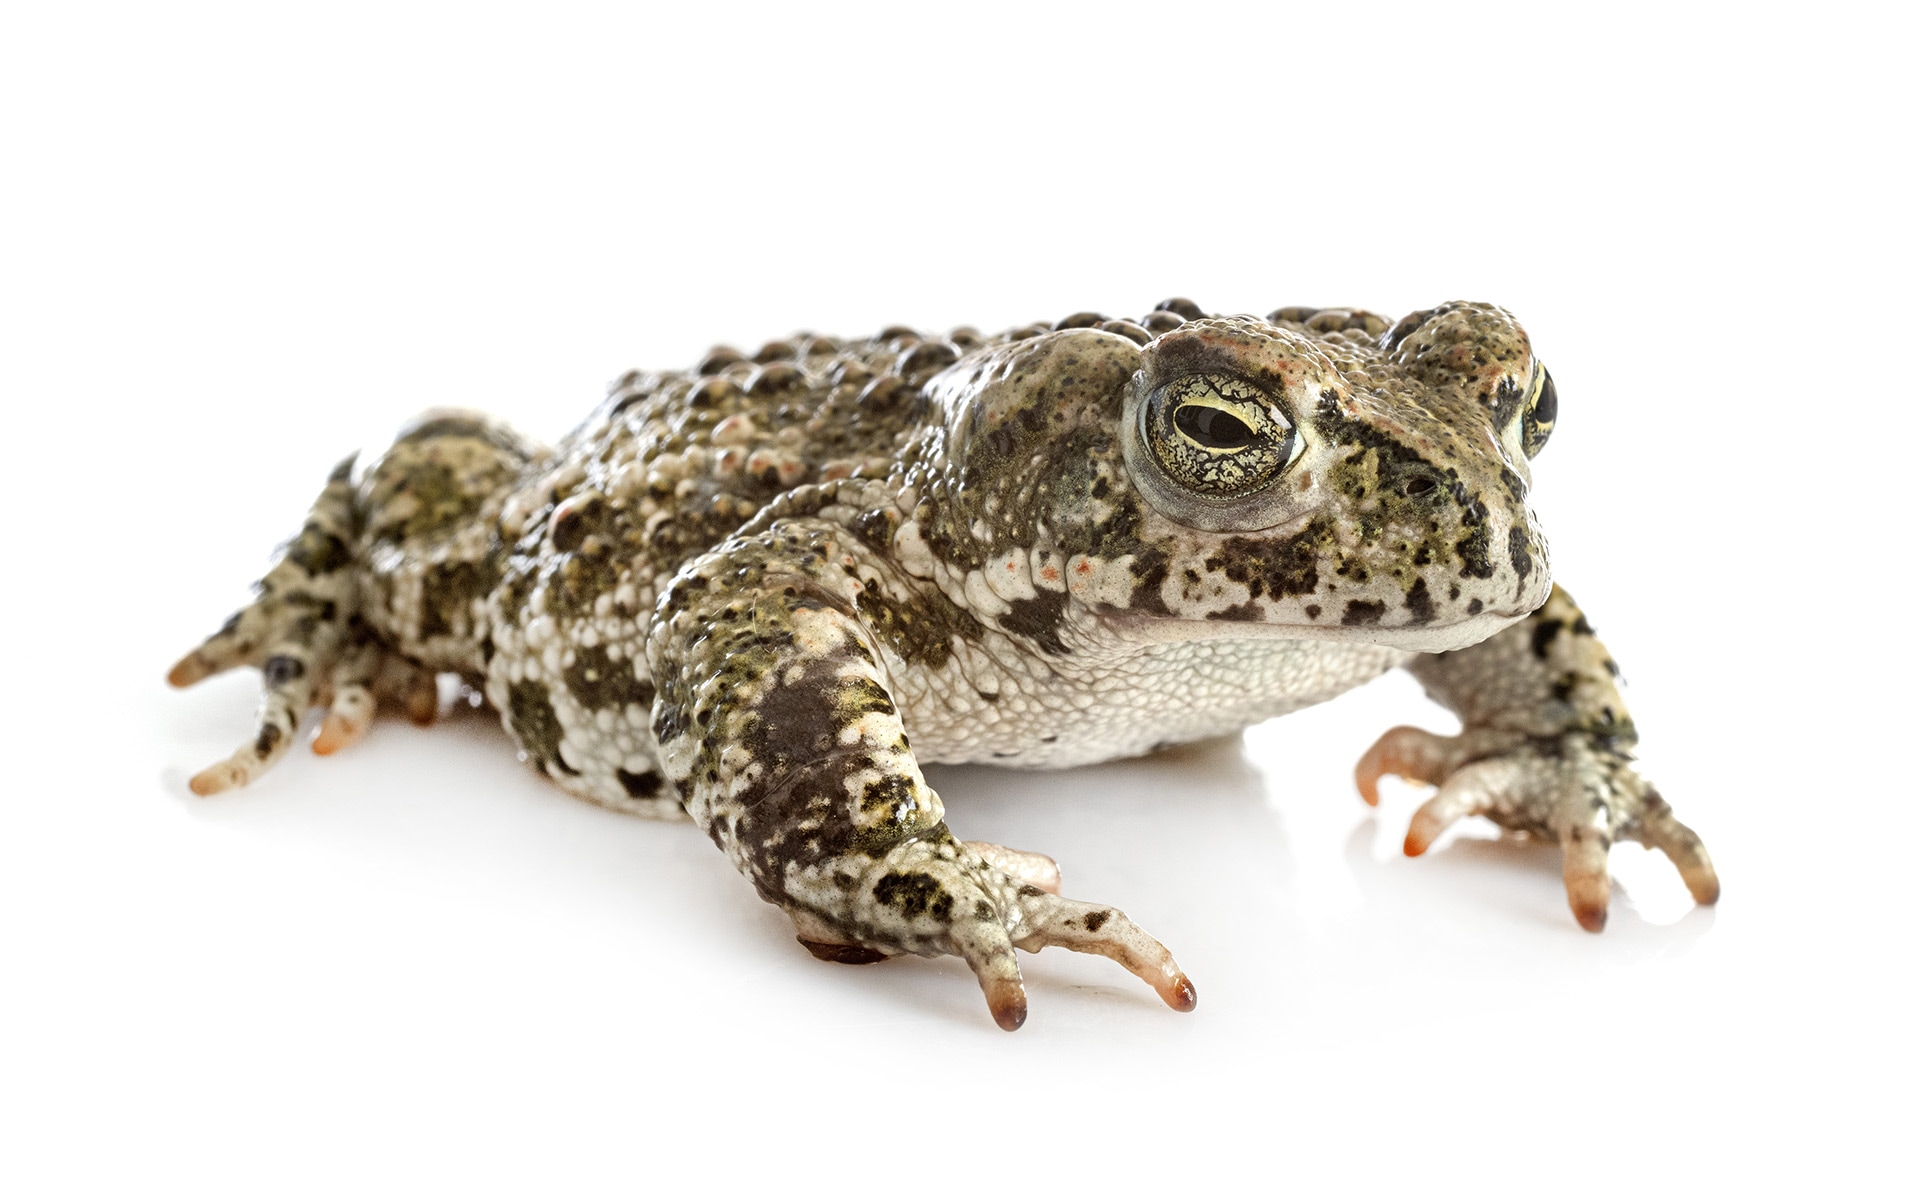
x,y
1028,712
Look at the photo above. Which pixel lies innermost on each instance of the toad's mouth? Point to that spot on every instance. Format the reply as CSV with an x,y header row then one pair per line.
x,y
1431,638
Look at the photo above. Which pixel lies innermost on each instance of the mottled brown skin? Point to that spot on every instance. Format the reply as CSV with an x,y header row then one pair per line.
x,y
739,590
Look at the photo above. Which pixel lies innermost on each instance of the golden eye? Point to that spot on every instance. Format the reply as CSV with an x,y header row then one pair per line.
x,y
1218,436
1543,407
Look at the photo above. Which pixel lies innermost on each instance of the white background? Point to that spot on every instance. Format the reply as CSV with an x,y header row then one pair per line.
x,y
238,244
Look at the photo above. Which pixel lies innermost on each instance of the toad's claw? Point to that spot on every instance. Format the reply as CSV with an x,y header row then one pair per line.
x,y
1577,788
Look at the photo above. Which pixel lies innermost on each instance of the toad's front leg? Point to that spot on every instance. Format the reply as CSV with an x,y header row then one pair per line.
x,y
1546,749
775,720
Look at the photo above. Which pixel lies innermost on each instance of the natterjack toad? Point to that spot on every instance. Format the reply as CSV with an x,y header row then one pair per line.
x,y
762,591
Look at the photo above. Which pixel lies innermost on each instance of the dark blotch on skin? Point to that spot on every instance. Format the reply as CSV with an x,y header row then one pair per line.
x,y
441,502
1038,620
796,812
1473,552
269,737
319,552
1543,635
447,594
600,681
914,894
1094,920
1362,612
1517,550
1284,568
858,697
281,669
1149,571
920,627
875,528
794,727
1506,402
1248,612
530,713
644,785
887,794
577,583
1420,603
1394,467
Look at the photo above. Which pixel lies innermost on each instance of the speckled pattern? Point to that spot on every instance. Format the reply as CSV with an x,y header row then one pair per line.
x,y
762,591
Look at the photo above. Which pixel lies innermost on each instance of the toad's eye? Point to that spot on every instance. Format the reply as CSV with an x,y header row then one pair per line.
x,y
1543,407
1217,436
1212,428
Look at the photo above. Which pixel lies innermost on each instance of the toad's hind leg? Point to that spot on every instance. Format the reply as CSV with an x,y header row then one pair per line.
x,y
304,610
383,589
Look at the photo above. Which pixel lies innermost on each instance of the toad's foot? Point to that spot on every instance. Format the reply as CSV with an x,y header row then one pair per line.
x,y
935,896
302,632
1577,788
